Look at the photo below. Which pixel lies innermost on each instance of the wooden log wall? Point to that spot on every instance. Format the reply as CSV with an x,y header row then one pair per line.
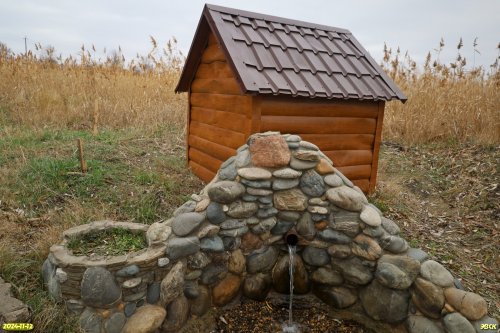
x,y
220,115
345,131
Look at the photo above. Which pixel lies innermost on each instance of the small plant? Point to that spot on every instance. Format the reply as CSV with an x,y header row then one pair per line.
x,y
109,242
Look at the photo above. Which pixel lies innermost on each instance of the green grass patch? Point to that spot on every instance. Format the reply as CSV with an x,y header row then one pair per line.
x,y
109,242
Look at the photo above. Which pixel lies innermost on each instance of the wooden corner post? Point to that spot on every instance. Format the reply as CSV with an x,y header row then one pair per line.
x,y
376,146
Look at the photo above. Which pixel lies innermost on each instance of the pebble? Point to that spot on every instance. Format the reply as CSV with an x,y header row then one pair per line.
x,y
236,263
226,289
269,152
417,254
153,294
287,173
254,173
324,167
264,225
242,209
90,321
233,224
249,198
242,158
302,165
354,270
237,232
207,230
99,288
172,284
259,191
288,216
187,207
317,210
334,236
312,184
213,273
293,200
191,290
421,324
225,191
391,227
212,244
182,247
428,298
198,260
262,262
333,180
132,283
281,227
470,305
177,315
115,323
231,243
215,213
183,224
393,244
339,251
346,198
127,271
227,170
306,155
293,138
384,304
324,275
456,323
146,319
436,273
129,309
315,256
267,212
370,216
338,297
366,247
284,184
257,286
308,145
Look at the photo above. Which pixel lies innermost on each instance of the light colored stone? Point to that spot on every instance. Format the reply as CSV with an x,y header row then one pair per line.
x,y
162,262
242,209
317,210
61,275
285,184
158,233
436,273
324,167
258,191
132,283
225,191
470,305
428,298
264,225
333,180
269,151
306,155
184,224
254,173
346,198
370,216
287,173
146,319
202,205
293,200
207,230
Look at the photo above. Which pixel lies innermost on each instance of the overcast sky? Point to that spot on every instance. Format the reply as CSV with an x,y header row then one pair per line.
x,y
414,26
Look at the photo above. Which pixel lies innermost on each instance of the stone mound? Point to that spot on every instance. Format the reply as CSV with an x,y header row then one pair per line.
x,y
229,241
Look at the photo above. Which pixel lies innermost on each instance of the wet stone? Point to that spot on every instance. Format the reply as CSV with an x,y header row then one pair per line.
x,y
261,262
213,273
183,224
285,184
231,243
282,227
327,276
312,184
338,297
354,270
153,294
257,286
99,288
315,257
305,227
384,304
334,237
281,276
339,251
242,209
182,247
215,213
436,273
212,244
225,191
456,323
128,271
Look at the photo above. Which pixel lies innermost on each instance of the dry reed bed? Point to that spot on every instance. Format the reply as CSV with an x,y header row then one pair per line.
x,y
445,102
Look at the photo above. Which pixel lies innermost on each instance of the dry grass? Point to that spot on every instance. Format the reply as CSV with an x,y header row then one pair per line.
x,y
40,91
445,102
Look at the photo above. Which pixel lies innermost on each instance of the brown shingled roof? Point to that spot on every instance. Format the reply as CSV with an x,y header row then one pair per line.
x,y
279,56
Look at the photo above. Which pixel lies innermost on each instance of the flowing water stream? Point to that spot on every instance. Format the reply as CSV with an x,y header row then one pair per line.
x,y
290,326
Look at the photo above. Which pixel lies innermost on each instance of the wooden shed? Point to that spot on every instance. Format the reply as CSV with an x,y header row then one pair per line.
x,y
249,72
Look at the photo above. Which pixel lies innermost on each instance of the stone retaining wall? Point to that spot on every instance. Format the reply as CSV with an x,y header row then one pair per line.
x,y
228,242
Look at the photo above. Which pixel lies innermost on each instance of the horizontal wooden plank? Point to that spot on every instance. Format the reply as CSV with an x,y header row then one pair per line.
x,y
355,172
218,135
318,125
228,120
213,149
206,160
232,103
349,157
340,141
363,184
201,172
212,53
318,108
214,70
216,86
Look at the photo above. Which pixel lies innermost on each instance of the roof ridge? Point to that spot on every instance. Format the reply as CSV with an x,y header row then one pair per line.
x,y
273,18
